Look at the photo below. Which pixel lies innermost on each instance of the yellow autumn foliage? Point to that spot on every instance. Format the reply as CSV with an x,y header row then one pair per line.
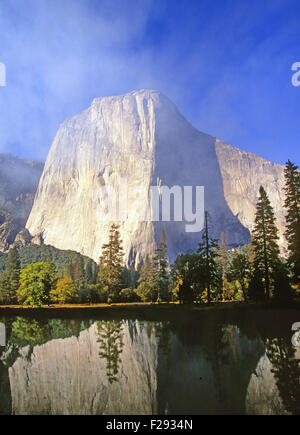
x,y
64,292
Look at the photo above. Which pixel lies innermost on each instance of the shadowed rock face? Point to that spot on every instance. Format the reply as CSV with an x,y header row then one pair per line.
x,y
18,183
243,173
141,139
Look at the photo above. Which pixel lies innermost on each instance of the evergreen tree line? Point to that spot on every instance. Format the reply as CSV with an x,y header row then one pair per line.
x,y
255,272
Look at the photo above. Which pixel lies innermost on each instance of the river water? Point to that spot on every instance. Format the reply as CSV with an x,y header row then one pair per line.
x,y
147,362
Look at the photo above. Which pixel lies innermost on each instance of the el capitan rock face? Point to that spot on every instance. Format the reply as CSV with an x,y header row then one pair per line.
x,y
141,138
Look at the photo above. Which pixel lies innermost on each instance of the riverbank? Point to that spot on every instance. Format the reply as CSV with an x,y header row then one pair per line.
x,y
140,308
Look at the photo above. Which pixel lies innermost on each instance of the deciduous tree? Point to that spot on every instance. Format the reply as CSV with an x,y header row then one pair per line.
x,y
36,282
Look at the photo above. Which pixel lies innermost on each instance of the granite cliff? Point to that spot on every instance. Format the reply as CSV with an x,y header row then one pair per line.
x,y
18,183
242,174
141,140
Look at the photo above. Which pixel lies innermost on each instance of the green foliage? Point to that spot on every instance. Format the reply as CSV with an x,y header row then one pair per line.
x,y
198,276
148,282
29,332
239,270
161,266
13,269
9,279
128,295
91,272
209,271
36,282
153,283
78,274
224,260
5,288
85,295
110,275
186,273
292,205
130,276
36,332
92,293
63,259
265,237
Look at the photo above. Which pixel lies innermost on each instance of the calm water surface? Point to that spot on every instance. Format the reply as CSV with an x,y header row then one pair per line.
x,y
209,363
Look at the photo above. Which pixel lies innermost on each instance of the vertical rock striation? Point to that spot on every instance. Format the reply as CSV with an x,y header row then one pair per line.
x,y
140,139
243,173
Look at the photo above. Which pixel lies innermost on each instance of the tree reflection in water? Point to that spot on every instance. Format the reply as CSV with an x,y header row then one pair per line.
x,y
30,332
110,339
286,370
163,335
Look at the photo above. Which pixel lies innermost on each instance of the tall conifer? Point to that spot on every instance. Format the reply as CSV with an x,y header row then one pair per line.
x,y
292,205
265,245
111,265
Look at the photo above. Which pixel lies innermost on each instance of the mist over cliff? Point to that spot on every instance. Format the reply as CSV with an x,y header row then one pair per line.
x,y
18,183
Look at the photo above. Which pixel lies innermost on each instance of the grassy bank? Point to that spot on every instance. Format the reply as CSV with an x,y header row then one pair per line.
x,y
165,306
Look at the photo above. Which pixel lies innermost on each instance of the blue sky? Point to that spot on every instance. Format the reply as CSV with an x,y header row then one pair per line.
x,y
226,64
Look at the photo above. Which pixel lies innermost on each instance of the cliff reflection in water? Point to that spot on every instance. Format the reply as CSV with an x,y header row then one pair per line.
x,y
214,364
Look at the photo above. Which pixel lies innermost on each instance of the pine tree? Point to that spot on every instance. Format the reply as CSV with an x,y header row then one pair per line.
x,y
240,269
161,264
292,205
188,278
111,265
208,252
78,274
148,282
13,269
5,289
265,236
224,255
89,272
251,254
